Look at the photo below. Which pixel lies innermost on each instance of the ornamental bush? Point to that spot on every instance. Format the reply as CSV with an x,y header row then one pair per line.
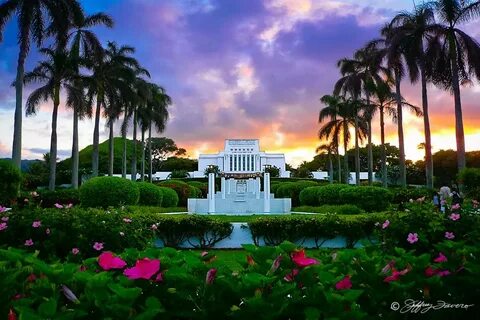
x,y
403,195
47,198
109,192
200,185
150,194
320,195
292,190
349,209
368,198
470,177
183,190
10,179
170,197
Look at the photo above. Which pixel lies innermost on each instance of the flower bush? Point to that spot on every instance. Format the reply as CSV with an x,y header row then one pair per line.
x,y
283,282
108,192
336,209
48,199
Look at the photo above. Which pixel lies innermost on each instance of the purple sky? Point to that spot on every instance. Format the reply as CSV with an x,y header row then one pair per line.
x,y
240,69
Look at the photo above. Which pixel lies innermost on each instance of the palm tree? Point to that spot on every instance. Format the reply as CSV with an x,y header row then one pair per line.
x,y
32,16
328,148
56,72
343,114
412,32
85,45
460,57
332,109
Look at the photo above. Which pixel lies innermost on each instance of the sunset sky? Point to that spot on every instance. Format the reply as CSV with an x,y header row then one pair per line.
x,y
241,69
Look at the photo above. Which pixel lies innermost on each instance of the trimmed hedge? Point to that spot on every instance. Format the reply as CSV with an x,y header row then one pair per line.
x,y
200,185
319,195
150,194
403,195
470,177
368,198
170,197
10,179
47,198
183,190
338,209
292,190
109,192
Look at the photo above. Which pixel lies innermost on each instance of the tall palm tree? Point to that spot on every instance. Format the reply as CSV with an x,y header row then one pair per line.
x,y
32,16
85,45
329,149
460,59
332,109
413,32
56,72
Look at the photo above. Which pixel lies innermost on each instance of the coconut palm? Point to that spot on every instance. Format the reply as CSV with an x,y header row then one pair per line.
x,y
460,58
83,44
329,149
32,16
414,35
332,108
57,72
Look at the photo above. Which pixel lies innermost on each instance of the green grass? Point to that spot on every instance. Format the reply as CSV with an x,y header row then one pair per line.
x,y
148,209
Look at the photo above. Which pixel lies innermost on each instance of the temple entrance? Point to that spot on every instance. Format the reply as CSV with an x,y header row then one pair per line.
x,y
241,186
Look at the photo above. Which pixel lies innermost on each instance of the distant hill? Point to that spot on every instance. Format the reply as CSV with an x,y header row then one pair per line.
x,y
86,156
25,164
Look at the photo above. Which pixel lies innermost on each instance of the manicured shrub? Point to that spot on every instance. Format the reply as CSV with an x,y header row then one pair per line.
x,y
48,199
470,178
403,195
292,190
150,194
200,185
109,192
10,179
336,209
319,195
170,197
183,190
368,198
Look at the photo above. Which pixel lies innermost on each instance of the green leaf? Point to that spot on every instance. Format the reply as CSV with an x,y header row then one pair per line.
x,y
125,293
48,308
312,313
249,247
352,294
287,246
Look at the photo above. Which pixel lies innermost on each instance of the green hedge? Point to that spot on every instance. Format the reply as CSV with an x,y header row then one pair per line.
x,y
470,177
349,209
292,190
10,179
170,197
200,185
319,195
368,198
403,195
47,199
109,192
183,190
150,194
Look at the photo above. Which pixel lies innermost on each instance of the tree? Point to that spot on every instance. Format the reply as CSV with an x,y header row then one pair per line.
x,y
85,45
329,149
211,169
32,16
56,72
457,58
162,149
273,170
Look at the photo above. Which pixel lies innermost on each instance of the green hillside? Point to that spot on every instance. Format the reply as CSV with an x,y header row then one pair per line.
x,y
86,157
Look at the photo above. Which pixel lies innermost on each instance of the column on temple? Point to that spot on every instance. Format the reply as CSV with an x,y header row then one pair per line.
x,y
266,192
211,193
223,187
257,187
229,186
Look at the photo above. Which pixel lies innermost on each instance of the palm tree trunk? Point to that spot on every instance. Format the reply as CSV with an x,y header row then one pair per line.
x,y
345,157
401,143
369,147
150,152
428,138
17,126
357,154
110,150
383,151
330,167
134,156
339,165
143,155
459,131
75,155
96,134
53,140
124,154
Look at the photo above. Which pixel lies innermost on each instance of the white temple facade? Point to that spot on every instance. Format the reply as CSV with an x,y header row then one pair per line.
x,y
241,155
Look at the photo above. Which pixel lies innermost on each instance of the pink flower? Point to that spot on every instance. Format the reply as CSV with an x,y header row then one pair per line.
x,y
32,277
3,226
154,227
440,258
98,246
159,277
47,231
396,274
29,242
127,220
385,224
3,209
75,251
454,216
204,253
36,224
211,274
5,219
59,206
412,238
69,206
289,277
456,206
388,267
443,273
430,272
449,235
275,264
298,257
108,261
250,260
344,284
144,269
